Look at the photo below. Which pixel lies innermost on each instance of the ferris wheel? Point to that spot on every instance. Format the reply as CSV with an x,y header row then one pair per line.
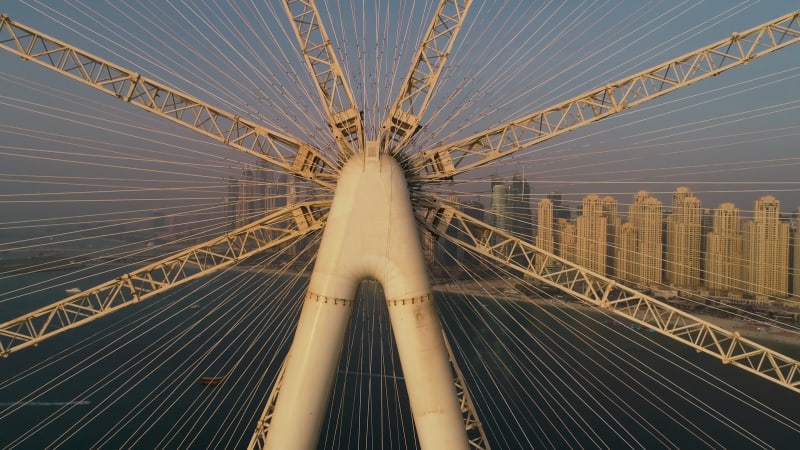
x,y
375,194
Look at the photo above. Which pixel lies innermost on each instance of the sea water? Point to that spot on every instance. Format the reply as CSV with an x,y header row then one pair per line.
x,y
130,380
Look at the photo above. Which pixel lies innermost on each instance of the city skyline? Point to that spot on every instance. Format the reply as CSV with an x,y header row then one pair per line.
x,y
689,247
736,138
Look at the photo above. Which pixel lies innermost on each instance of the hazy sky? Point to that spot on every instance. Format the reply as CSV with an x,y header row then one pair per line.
x,y
734,137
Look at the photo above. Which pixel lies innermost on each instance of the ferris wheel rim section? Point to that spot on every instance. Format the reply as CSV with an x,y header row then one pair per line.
x,y
449,160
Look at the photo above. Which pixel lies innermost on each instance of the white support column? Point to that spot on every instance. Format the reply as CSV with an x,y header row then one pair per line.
x,y
370,233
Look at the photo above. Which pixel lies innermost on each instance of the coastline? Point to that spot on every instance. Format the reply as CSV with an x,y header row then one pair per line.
x,y
758,332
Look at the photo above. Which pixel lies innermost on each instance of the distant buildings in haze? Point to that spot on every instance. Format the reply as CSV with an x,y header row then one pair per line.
x,y
705,251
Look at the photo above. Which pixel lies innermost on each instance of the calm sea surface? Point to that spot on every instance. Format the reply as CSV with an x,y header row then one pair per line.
x,y
130,380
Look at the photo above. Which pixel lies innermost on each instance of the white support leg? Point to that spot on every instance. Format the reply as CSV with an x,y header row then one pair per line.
x,y
370,233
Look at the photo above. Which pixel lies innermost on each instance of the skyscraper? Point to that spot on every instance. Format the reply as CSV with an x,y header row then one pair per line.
x,y
627,261
500,212
544,233
766,252
477,210
567,239
559,210
683,240
724,251
591,235
613,222
519,207
645,215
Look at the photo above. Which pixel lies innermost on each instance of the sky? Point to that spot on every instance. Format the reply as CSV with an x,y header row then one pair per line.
x,y
731,138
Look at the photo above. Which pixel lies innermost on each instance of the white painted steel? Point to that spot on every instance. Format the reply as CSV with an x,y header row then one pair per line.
x,y
371,233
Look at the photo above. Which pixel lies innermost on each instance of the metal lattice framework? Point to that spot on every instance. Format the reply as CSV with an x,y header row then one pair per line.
x,y
280,227
346,122
603,292
404,117
259,438
344,117
450,160
475,432
290,154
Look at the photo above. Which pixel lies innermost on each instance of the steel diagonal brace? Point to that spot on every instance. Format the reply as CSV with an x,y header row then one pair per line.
x,y
291,154
404,117
469,233
344,117
279,228
450,160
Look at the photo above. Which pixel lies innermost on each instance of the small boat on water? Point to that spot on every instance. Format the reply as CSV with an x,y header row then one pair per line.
x,y
211,381
73,290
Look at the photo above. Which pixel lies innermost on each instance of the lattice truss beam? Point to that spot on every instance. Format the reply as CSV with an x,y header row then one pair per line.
x,y
259,439
344,117
478,150
475,433
278,228
412,101
291,154
503,248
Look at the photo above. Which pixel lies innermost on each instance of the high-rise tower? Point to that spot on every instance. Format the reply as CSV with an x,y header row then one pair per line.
x,y
645,215
627,253
544,233
613,223
519,207
724,251
567,240
683,240
559,210
500,211
591,235
767,252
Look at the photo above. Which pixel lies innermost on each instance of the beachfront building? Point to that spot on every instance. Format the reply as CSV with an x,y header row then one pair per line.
x,y
591,235
519,207
724,252
683,241
567,240
545,238
766,252
627,252
613,222
645,215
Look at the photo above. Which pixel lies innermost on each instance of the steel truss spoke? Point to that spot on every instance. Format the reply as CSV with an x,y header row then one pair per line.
x,y
344,117
258,441
501,247
274,230
475,434
450,160
412,101
286,152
